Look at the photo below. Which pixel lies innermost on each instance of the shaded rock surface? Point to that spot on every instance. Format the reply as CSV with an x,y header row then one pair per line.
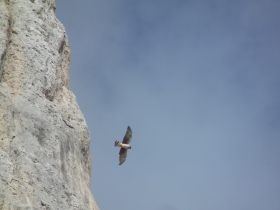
x,y
44,140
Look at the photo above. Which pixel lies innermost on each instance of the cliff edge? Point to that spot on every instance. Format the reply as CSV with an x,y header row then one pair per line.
x,y
44,140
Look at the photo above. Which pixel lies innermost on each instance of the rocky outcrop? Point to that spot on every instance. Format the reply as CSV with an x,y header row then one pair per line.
x,y
44,140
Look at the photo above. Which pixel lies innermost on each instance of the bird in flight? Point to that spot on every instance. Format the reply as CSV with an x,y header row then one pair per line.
x,y
124,145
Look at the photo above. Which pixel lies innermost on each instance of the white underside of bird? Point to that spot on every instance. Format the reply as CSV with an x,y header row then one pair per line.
x,y
125,146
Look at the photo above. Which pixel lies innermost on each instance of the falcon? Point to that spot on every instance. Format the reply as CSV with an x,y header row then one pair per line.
x,y
124,145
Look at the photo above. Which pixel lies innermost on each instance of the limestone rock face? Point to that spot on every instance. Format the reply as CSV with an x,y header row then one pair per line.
x,y
44,140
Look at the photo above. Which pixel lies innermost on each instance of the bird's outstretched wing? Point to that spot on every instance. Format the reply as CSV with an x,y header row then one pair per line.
x,y
128,136
123,154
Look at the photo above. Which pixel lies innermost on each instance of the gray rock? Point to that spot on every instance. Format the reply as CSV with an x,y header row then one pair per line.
x,y
44,140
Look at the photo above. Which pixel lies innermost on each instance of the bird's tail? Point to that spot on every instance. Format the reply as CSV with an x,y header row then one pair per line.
x,y
117,143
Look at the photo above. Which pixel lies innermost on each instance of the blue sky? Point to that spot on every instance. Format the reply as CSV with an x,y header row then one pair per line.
x,y
198,82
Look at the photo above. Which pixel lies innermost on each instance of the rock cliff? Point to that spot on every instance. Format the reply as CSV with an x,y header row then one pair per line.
x,y
44,140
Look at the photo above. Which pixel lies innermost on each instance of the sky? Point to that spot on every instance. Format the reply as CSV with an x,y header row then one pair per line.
x,y
198,82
